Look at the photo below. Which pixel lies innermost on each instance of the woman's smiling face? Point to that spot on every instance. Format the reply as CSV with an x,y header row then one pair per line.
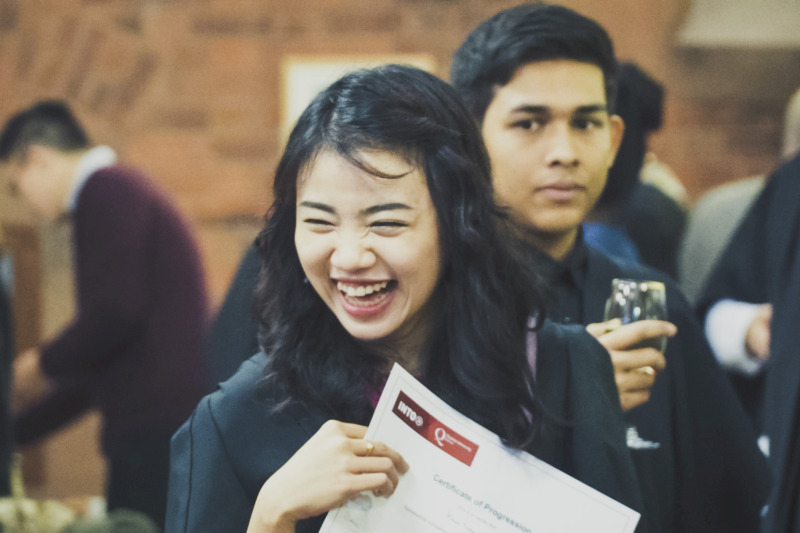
x,y
370,245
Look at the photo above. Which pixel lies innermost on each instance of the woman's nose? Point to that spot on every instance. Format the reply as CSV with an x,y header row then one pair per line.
x,y
352,253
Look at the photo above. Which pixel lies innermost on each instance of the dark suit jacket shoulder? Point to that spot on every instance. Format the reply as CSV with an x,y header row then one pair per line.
x,y
222,455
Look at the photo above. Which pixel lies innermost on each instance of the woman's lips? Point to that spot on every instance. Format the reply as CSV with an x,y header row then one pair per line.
x,y
365,299
360,289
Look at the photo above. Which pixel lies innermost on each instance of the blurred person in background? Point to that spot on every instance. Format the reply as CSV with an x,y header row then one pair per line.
x,y
752,321
134,350
6,357
712,223
718,212
233,334
634,218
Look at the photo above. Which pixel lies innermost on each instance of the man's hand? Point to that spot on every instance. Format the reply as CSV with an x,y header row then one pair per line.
x,y
757,338
30,383
636,366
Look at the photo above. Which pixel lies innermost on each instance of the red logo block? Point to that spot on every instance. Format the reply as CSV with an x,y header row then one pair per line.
x,y
434,431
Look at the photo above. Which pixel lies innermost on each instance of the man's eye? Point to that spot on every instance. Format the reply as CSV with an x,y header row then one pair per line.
x,y
527,124
585,123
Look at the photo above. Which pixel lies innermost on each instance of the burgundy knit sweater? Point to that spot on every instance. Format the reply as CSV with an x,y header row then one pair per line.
x,y
135,348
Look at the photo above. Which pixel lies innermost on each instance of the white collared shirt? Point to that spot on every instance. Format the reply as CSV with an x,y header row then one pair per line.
x,y
92,161
726,326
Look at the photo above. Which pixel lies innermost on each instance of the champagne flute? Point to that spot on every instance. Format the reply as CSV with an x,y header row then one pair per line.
x,y
633,300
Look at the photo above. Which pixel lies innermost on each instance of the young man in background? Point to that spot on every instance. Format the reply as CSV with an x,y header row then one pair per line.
x,y
540,81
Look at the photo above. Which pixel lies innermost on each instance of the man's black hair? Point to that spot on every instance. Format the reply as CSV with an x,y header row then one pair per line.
x,y
47,123
528,33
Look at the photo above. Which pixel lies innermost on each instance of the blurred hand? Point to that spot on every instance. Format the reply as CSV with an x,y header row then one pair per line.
x,y
635,366
757,338
333,467
30,383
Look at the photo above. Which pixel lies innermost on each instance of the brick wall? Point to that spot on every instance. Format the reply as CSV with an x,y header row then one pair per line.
x,y
190,89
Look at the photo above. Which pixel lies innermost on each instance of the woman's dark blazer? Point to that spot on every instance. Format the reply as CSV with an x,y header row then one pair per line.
x,y
233,442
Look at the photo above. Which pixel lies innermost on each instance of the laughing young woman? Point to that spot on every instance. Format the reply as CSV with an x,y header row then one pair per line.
x,y
384,245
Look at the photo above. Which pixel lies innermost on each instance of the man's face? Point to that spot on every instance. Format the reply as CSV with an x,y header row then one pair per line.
x,y
551,142
28,178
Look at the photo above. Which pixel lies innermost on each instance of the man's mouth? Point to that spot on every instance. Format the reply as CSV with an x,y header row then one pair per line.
x,y
561,191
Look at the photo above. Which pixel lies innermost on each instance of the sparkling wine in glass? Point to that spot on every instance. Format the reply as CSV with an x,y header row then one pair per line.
x,y
633,300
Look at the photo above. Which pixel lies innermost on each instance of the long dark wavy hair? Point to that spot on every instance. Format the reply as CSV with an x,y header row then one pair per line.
x,y
477,358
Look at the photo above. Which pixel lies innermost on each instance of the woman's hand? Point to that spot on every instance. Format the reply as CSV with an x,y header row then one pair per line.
x,y
330,469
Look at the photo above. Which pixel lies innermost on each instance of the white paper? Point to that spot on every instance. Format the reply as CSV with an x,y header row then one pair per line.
x,y
461,478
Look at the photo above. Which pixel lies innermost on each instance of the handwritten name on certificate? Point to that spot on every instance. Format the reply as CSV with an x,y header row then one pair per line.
x,y
462,478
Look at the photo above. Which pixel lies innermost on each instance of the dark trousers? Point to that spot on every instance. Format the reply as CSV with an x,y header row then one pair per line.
x,y
138,477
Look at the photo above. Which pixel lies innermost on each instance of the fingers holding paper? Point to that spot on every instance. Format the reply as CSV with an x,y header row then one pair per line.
x,y
333,467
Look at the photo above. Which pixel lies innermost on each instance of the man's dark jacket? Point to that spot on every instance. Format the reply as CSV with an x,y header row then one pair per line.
x,y
707,473
761,264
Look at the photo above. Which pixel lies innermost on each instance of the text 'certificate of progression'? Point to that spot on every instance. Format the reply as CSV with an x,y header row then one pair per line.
x,y
462,478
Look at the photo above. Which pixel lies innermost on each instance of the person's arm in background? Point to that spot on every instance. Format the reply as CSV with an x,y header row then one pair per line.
x,y
739,335
111,229
734,307
62,404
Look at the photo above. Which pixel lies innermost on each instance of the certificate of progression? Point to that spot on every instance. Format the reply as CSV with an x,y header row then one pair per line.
x,y
462,478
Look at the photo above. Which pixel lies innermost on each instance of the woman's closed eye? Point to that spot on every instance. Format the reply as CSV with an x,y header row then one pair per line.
x,y
318,224
387,226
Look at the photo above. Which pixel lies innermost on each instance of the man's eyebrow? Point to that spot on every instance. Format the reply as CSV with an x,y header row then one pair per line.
x,y
539,109
385,207
592,108
530,108
316,205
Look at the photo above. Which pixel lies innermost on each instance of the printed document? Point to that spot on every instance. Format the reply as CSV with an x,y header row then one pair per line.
x,y
461,478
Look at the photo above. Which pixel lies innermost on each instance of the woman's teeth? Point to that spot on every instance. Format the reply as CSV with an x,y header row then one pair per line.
x,y
361,290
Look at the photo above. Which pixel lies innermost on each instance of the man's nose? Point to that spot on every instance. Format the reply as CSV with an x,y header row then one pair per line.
x,y
561,146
